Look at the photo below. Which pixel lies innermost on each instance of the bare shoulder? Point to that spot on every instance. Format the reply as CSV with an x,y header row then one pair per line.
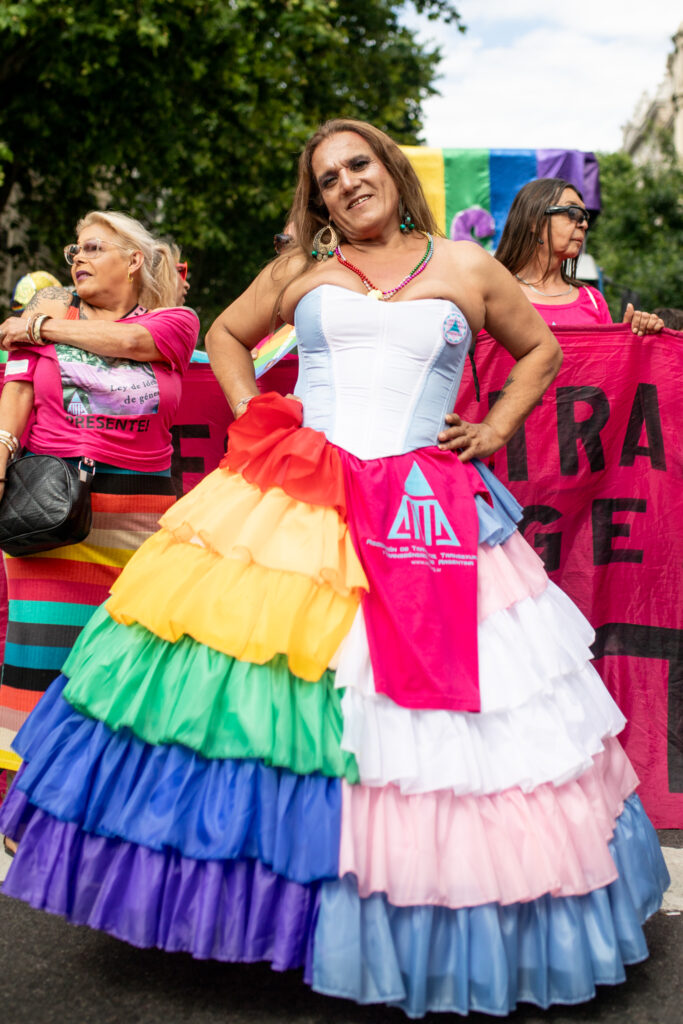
x,y
464,255
52,300
274,284
480,267
285,267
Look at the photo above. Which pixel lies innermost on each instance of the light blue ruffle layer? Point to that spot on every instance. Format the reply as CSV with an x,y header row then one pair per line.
x,y
500,522
489,958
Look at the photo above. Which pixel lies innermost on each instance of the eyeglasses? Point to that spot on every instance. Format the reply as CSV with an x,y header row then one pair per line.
x,y
182,270
91,249
577,214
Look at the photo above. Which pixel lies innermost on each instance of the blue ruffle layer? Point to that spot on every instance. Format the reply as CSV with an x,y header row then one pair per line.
x,y
550,950
113,784
500,522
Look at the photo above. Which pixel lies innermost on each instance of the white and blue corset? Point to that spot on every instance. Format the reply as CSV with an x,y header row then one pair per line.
x,y
377,378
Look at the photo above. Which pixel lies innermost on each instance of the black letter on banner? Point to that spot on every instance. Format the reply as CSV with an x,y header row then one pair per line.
x,y
518,468
645,410
181,464
548,544
571,430
605,530
661,644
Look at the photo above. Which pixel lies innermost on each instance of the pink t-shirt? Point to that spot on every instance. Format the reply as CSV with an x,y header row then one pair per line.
x,y
117,411
589,307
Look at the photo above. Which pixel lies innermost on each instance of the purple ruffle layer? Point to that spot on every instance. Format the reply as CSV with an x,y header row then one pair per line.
x,y
219,910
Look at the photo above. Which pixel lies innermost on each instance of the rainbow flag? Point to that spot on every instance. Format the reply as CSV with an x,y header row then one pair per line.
x,y
271,350
470,191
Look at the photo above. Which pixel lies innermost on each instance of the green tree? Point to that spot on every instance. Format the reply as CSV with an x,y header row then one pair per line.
x,y
190,114
638,237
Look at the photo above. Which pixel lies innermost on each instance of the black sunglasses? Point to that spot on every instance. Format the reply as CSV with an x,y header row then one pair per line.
x,y
575,213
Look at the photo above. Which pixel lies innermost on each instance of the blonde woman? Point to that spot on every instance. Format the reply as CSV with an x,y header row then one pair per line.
x,y
93,374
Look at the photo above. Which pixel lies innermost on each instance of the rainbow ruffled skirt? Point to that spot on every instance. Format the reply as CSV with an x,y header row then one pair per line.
x,y
213,772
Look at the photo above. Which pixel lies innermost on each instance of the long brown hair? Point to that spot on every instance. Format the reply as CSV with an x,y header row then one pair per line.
x,y
309,213
518,244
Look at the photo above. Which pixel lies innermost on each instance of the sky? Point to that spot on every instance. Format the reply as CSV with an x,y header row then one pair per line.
x,y
533,74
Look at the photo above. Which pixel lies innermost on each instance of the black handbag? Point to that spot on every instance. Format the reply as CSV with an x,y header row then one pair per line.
x,y
46,504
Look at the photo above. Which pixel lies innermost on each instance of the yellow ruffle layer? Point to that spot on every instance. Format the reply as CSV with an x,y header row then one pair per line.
x,y
235,519
242,609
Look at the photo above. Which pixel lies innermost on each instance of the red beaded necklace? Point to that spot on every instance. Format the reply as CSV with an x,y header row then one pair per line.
x,y
376,293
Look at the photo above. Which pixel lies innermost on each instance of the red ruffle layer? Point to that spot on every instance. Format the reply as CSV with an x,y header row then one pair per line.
x,y
270,448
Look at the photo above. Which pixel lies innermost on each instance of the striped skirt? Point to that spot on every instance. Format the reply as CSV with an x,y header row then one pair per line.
x,y
53,594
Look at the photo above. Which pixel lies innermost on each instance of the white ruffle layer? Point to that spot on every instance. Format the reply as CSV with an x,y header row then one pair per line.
x,y
551,738
523,649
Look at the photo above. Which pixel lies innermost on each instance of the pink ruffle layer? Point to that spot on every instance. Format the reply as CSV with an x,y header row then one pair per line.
x,y
507,573
464,851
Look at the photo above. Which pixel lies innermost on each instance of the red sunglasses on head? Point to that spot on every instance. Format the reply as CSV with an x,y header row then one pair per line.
x,y
182,269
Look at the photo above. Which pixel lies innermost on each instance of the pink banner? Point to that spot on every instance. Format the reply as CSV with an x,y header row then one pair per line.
x,y
598,468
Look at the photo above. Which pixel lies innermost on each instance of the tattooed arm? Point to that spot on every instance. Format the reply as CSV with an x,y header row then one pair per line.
x,y
53,301
511,319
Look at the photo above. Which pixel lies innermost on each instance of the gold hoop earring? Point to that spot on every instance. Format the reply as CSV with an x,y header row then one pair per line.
x,y
322,250
130,277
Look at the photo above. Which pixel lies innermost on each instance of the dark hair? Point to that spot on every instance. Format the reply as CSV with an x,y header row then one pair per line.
x,y
281,241
309,212
672,317
527,217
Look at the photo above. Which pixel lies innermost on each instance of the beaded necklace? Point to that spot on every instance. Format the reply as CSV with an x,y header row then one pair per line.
x,y
376,293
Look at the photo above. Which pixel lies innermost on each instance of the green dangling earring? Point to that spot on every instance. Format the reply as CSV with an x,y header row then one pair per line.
x,y
322,250
407,222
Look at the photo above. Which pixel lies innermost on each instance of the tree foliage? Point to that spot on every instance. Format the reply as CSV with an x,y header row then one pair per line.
x,y
190,114
638,237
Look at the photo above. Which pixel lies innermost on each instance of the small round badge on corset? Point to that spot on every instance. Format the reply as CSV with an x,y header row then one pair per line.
x,y
454,328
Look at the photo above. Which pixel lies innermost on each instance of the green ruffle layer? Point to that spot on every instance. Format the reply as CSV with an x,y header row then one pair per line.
x,y
189,694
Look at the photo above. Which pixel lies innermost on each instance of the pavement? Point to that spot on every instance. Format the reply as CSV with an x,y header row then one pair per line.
x,y
55,973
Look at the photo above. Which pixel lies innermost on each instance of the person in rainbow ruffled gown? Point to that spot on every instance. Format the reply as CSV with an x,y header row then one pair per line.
x,y
334,715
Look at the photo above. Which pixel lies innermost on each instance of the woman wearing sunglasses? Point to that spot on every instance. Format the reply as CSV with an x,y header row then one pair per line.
x,y
93,374
541,241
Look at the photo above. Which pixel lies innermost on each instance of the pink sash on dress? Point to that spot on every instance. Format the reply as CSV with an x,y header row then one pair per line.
x,y
414,523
